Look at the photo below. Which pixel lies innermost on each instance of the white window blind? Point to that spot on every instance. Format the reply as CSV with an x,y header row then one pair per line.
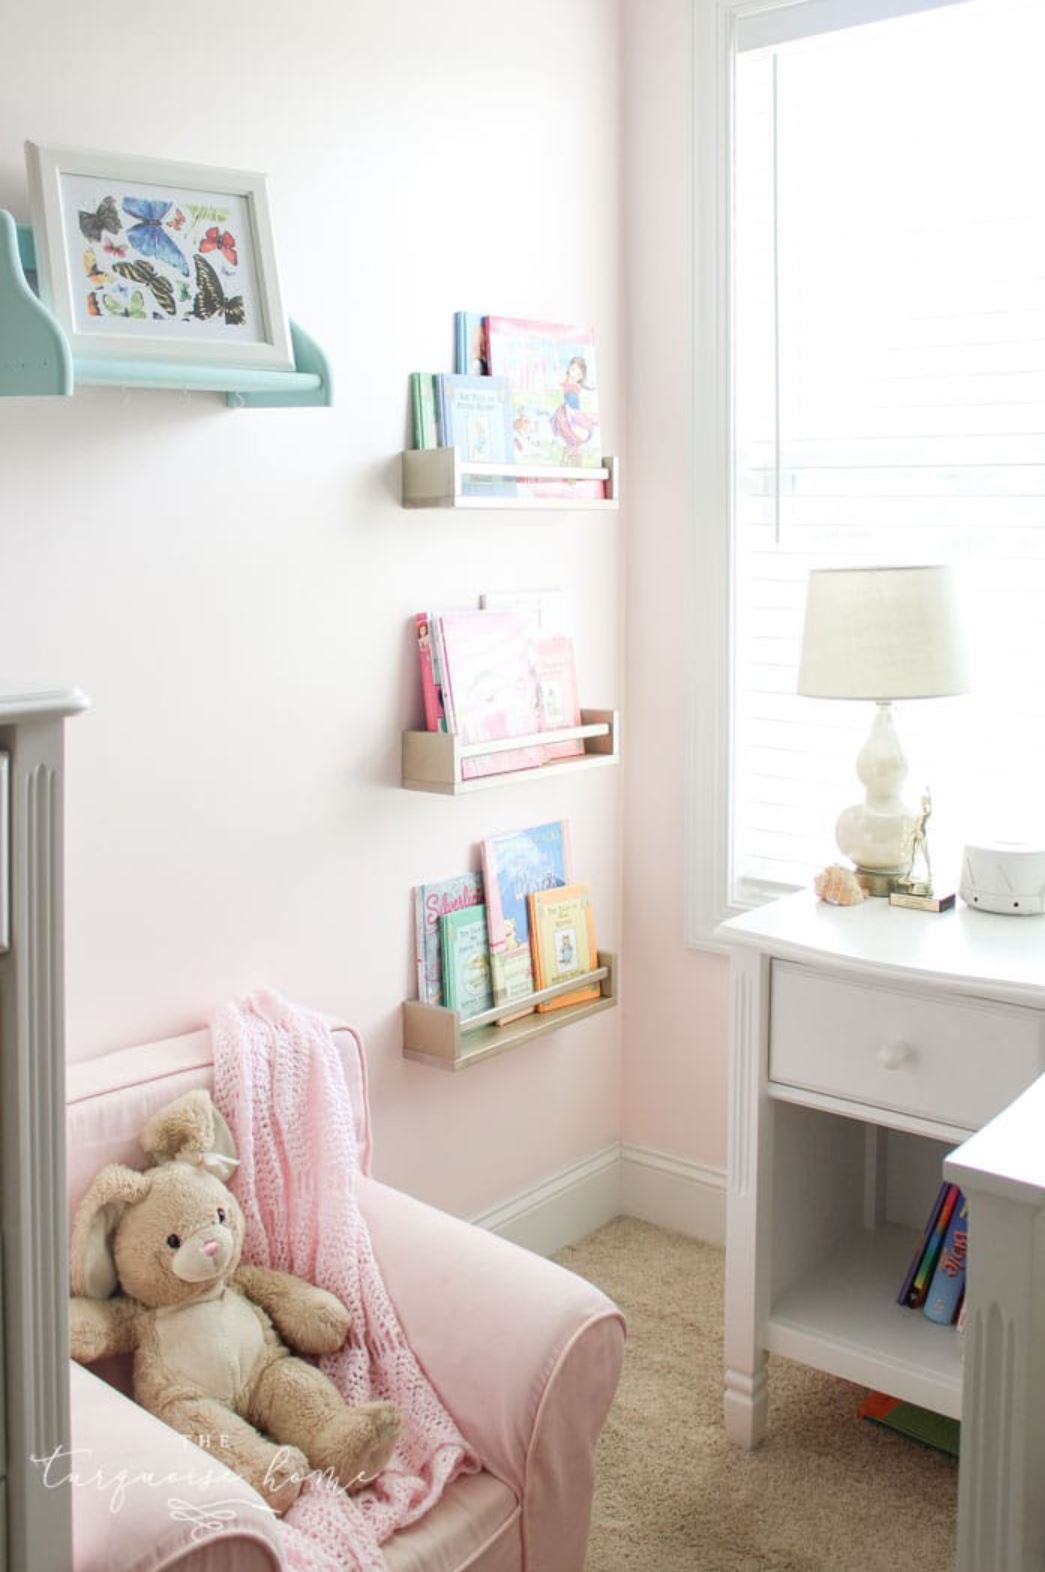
x,y
889,386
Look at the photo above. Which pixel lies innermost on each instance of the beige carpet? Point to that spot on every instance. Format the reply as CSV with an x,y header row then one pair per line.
x,y
826,1492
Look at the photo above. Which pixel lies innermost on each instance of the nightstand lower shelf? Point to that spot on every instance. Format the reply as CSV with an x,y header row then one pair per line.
x,y
842,1317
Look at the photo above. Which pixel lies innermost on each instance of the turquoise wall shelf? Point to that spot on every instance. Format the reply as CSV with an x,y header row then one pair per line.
x,y
35,358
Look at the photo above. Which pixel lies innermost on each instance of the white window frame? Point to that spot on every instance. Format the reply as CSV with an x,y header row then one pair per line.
x,y
709,740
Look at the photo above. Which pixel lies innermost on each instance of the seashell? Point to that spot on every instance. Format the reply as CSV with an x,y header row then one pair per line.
x,y
839,886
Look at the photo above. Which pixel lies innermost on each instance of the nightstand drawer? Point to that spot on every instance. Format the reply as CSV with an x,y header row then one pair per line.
x,y
959,1061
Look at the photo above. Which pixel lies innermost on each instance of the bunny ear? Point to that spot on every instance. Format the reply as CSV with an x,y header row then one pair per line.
x,y
93,1270
191,1130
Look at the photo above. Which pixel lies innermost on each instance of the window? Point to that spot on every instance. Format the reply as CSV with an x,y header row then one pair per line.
x,y
888,399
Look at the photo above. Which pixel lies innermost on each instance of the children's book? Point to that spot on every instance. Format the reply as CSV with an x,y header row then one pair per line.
x,y
923,1243
555,408
466,961
491,685
424,404
515,866
907,1419
927,1266
431,902
470,344
475,417
554,614
431,685
944,1297
562,942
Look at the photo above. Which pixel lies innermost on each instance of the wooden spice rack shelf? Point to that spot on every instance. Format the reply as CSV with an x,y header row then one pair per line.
x,y
437,1036
435,477
432,760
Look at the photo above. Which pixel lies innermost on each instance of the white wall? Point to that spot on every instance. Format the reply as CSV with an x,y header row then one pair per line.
x,y
233,588
675,1011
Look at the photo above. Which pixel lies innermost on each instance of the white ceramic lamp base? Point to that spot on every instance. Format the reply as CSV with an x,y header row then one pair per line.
x,y
876,833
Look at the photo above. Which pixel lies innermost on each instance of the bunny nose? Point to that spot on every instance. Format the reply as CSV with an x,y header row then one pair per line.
x,y
211,1247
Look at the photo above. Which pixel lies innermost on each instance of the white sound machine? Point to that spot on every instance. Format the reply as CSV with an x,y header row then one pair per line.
x,y
1004,876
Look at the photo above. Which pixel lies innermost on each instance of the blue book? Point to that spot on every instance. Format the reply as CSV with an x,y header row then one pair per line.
x,y
475,417
923,1244
514,866
470,344
945,1291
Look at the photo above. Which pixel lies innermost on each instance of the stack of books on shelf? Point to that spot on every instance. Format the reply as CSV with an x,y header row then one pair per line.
x,y
521,394
519,926
504,670
935,1281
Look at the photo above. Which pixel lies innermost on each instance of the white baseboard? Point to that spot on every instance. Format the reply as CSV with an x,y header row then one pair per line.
x,y
674,1192
563,1208
622,1179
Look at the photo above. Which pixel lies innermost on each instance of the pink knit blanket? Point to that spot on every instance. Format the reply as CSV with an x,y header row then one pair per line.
x,y
280,1085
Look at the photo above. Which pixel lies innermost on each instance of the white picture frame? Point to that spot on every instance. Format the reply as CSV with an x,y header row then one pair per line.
x,y
185,273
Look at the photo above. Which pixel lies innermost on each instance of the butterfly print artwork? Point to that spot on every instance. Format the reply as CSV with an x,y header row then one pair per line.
x,y
178,221
211,300
135,307
96,274
114,250
93,308
144,273
149,236
217,240
106,218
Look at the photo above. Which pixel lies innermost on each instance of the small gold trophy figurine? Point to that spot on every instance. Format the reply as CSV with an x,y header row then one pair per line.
x,y
916,889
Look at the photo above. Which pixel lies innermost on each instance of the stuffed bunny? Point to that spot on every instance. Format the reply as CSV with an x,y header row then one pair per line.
x,y
155,1267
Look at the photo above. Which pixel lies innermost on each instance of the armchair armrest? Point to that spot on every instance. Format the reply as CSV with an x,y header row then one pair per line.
x,y
145,1498
525,1355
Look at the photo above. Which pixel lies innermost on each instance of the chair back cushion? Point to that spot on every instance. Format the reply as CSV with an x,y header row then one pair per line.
x,y
109,1099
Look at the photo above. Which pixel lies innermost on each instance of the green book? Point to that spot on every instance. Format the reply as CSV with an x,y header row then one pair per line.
x,y
424,403
466,961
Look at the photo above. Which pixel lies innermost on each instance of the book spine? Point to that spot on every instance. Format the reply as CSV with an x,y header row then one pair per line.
x,y
419,944
429,687
442,676
948,1284
923,1276
927,1233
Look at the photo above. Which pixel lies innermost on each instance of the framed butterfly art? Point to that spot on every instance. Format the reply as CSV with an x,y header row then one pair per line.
x,y
183,256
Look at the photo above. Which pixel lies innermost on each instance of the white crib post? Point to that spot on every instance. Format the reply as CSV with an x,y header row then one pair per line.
x,y
1001,1486
33,1307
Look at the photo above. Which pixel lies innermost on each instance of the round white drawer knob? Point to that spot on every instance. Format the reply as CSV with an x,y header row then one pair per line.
x,y
893,1054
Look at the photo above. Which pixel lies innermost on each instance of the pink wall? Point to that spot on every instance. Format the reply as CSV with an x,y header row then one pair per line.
x,y
232,589
675,1006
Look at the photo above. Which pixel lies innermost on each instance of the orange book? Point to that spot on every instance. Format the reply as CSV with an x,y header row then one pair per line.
x,y
562,941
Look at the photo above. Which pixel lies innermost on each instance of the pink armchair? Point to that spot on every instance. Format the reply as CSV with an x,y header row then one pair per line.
x,y
525,1356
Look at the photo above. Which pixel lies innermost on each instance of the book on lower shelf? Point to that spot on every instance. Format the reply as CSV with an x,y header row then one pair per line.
x,y
562,942
466,961
908,1419
944,1297
516,865
432,902
923,1264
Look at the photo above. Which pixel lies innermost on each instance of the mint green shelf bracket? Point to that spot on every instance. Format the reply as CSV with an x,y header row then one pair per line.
x,y
34,352
35,355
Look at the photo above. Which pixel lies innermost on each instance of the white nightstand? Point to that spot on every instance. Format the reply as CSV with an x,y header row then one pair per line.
x,y
868,1043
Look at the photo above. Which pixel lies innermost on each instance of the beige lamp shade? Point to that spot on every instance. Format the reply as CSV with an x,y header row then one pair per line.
x,y
882,633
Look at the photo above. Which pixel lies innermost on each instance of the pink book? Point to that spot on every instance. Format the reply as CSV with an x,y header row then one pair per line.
x,y
491,685
559,705
430,689
551,371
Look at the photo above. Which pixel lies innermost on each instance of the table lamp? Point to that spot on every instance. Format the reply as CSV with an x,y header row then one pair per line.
x,y
881,634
